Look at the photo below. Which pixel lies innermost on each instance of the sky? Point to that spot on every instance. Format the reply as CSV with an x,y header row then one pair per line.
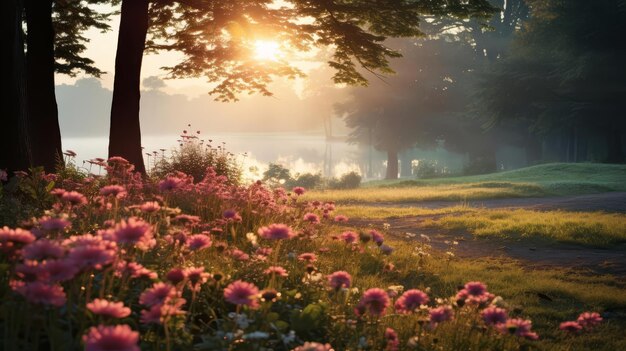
x,y
297,106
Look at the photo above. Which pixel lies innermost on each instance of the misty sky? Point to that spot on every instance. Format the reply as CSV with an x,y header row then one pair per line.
x,y
297,106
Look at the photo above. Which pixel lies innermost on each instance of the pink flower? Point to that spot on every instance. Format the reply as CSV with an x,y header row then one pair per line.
x,y
115,190
196,277
186,219
59,270
518,327
277,271
108,338
411,300
494,315
108,309
170,183
11,239
298,190
74,198
311,218
476,288
440,314
589,320
239,255
159,314
135,270
231,214
276,232
339,280
157,294
308,257
377,237
38,292
374,301
43,249
474,293
150,207
341,218
314,346
242,293
349,237
51,224
176,275
91,256
571,326
392,340
134,231
198,242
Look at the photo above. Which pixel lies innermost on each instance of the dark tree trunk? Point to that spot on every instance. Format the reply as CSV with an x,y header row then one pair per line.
x,y
125,132
392,164
534,148
614,145
45,135
14,147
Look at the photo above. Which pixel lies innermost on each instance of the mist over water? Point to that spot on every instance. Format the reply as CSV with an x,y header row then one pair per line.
x,y
301,153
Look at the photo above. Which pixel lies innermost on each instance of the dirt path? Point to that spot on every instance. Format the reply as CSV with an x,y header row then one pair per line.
x,y
608,202
589,260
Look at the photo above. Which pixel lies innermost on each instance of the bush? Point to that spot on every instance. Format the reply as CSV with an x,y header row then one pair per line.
x,y
350,180
193,158
426,169
306,180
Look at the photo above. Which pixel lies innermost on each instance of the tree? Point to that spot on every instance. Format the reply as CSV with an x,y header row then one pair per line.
x,y
565,76
54,44
14,147
217,39
421,105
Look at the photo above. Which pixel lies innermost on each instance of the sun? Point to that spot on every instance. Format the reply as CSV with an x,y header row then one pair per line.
x,y
265,50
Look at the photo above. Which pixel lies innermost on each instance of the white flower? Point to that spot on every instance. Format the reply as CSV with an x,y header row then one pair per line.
x,y
289,338
252,238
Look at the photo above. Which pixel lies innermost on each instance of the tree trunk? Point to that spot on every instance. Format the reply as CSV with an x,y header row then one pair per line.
x,y
14,147
392,164
125,132
45,135
614,145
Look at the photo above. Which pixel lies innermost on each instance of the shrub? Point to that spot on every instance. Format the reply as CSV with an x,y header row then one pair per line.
x,y
426,169
306,180
351,180
193,158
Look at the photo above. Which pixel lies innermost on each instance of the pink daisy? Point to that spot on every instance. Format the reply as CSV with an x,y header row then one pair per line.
x,y
570,326
108,338
311,218
108,309
411,300
298,190
308,257
314,346
277,271
349,237
374,301
198,242
150,207
157,294
589,320
276,232
242,293
494,315
339,280
136,232
41,293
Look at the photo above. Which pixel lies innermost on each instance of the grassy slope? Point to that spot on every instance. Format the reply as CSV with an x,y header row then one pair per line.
x,y
536,181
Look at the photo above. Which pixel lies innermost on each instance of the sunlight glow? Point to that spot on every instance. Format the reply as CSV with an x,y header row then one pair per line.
x,y
265,50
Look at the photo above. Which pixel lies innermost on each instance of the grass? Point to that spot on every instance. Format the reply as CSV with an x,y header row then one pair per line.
x,y
525,291
595,229
557,179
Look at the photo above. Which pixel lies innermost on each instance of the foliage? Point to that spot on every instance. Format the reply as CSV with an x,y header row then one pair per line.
x,y
217,38
194,157
306,180
172,253
350,180
426,169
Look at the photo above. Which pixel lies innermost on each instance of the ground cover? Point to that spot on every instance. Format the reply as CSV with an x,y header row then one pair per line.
x,y
173,265
594,229
556,179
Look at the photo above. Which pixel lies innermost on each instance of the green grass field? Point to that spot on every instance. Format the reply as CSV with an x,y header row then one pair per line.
x,y
557,179
595,229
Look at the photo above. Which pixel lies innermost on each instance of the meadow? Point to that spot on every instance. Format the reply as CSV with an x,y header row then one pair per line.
x,y
557,179
127,263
